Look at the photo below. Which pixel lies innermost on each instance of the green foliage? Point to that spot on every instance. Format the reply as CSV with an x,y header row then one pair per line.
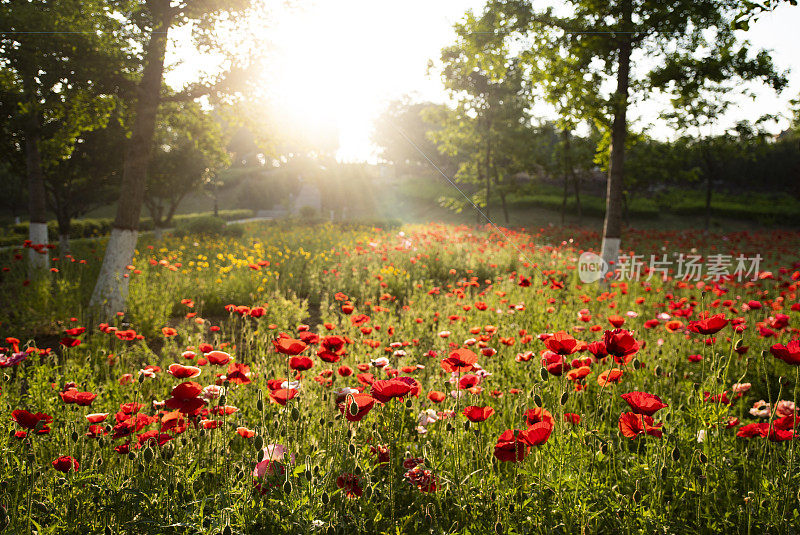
x,y
188,151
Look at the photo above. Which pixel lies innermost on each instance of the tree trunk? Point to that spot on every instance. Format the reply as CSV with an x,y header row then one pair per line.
x,y
64,228
37,200
505,206
564,201
111,290
565,134
612,226
708,202
576,180
158,233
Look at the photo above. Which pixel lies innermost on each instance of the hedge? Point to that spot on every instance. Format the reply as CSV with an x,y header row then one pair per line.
x,y
90,228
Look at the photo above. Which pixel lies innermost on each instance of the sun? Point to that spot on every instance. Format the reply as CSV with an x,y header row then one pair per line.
x,y
322,76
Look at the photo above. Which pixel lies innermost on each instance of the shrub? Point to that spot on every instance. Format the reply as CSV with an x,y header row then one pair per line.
x,y
206,225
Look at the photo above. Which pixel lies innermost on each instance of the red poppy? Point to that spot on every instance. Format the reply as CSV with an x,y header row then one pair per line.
x,y
183,372
282,395
30,421
331,349
616,320
753,430
572,418
350,484
620,343
598,349
478,414
561,343
70,342
460,360
300,363
65,464
169,331
220,358
632,425
537,434
436,396
185,398
511,449
245,432
711,325
388,389
96,418
789,353
536,415
610,376
644,403
289,346
238,373
363,404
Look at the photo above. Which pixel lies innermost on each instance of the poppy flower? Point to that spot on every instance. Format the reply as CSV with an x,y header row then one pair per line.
x,y
70,342
282,395
350,484
83,399
388,389
478,414
356,406
65,463
97,417
245,432
169,332
536,415
598,349
460,360
185,398
561,343
632,425
30,421
183,372
511,449
220,358
710,325
620,343
753,430
572,418
289,346
538,433
789,353
436,396
610,376
238,373
300,363
331,349
616,320
644,403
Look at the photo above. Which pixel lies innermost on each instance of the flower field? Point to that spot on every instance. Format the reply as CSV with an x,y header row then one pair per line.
x,y
423,379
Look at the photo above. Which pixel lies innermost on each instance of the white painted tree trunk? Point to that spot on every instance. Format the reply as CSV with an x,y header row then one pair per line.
x,y
37,233
610,252
111,289
63,243
158,234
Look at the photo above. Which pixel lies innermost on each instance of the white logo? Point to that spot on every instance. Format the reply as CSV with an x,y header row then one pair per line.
x,y
591,268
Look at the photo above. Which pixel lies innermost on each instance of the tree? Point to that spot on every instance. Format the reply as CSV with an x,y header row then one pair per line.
x,y
88,178
188,149
406,119
490,124
155,18
597,39
65,53
702,88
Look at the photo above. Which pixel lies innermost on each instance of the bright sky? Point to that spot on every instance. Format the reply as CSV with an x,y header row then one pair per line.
x,y
341,61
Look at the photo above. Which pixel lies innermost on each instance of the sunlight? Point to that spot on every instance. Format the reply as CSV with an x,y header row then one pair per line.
x,y
326,72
